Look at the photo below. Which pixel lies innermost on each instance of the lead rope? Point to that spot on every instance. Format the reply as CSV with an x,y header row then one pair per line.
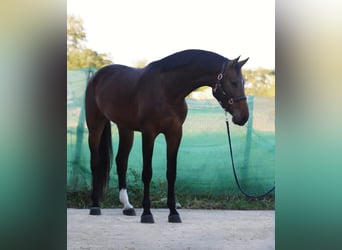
x,y
233,166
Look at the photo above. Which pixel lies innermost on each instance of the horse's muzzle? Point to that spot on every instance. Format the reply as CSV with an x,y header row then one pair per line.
x,y
240,121
240,117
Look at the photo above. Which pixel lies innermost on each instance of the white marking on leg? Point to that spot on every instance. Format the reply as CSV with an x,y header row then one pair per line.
x,y
123,196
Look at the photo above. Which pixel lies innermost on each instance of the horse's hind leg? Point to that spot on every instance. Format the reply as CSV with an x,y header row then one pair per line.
x,y
94,141
100,145
125,144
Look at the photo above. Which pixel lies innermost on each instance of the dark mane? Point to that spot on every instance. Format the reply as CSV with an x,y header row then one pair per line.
x,y
199,58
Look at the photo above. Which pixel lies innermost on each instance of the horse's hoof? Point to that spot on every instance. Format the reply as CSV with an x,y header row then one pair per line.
x,y
147,218
129,212
95,211
174,218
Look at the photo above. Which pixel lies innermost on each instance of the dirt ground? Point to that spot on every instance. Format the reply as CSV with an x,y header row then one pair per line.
x,y
200,229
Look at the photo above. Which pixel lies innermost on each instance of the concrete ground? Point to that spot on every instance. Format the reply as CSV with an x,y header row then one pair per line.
x,y
200,229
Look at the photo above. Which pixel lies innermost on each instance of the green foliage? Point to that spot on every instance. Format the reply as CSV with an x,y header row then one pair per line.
x,y
75,32
86,58
78,56
141,63
259,82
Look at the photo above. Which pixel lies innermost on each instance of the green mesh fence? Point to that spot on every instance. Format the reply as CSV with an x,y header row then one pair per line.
x,y
204,164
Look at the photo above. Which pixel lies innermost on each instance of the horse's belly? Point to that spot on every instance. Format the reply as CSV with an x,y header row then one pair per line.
x,y
123,118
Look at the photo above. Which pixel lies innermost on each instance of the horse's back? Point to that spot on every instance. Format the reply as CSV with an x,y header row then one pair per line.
x,y
116,74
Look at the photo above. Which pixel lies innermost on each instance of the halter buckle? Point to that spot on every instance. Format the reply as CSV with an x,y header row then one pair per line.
x,y
231,101
220,76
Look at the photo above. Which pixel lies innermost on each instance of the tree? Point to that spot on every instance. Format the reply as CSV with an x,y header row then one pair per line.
x,y
141,63
75,32
259,82
78,55
86,58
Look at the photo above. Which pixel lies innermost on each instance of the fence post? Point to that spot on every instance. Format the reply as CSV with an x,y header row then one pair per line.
x,y
249,132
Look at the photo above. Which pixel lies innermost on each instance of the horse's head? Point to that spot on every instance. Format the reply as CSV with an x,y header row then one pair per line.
x,y
230,92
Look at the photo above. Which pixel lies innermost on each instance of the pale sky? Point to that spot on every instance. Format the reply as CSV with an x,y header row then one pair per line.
x,y
133,30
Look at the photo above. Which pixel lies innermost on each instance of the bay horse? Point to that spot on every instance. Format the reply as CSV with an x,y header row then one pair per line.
x,y
152,100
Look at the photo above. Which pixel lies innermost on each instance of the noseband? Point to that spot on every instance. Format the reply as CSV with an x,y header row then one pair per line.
x,y
219,91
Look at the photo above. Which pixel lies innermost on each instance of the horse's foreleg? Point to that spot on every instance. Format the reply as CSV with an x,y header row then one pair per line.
x,y
125,144
147,148
172,140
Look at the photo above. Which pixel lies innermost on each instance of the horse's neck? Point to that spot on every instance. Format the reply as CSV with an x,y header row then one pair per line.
x,y
185,83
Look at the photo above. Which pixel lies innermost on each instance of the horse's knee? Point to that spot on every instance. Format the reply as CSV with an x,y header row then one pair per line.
x,y
121,161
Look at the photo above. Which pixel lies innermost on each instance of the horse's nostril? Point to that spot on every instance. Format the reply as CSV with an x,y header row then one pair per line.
x,y
240,120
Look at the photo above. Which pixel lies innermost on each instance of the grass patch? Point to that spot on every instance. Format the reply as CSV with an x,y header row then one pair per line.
x,y
81,199
158,195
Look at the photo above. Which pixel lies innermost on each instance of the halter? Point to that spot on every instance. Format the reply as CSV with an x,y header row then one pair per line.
x,y
218,87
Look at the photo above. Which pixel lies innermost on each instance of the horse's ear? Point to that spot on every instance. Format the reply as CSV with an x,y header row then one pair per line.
x,y
241,63
233,62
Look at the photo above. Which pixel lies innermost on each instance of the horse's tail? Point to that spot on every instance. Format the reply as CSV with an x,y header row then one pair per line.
x,y
105,157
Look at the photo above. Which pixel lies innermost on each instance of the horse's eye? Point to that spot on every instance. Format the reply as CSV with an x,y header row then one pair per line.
x,y
235,83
